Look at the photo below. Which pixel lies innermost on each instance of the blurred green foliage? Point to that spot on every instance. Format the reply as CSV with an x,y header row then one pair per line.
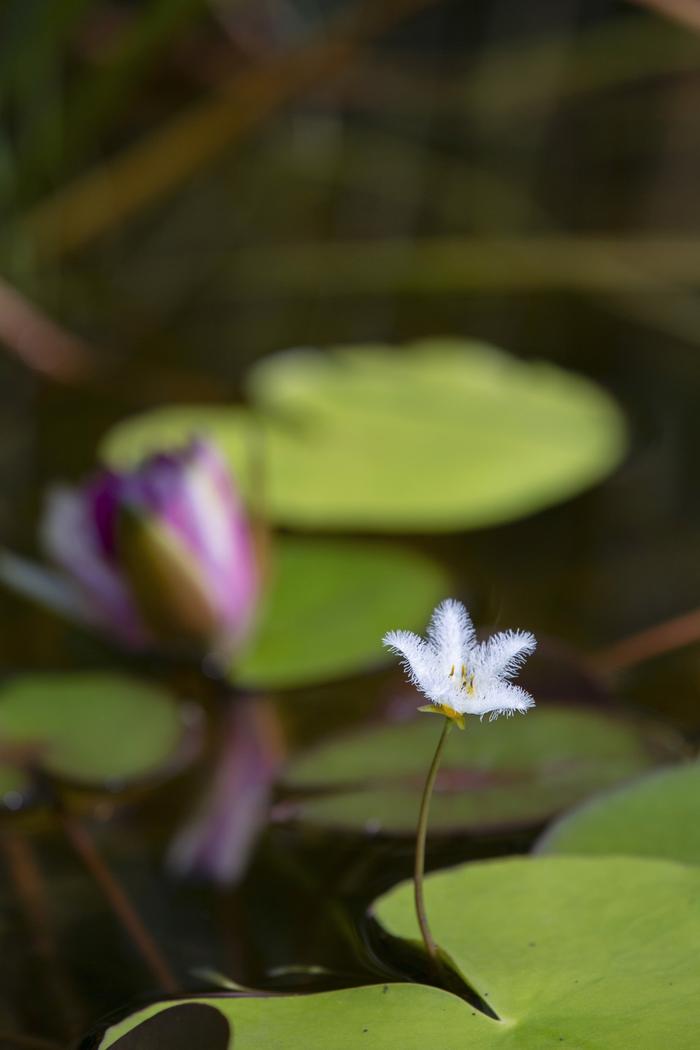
x,y
654,816
92,729
514,771
329,603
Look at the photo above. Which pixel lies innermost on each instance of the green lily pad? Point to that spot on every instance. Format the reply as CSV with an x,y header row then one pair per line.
x,y
439,435
94,729
566,951
494,775
656,816
328,606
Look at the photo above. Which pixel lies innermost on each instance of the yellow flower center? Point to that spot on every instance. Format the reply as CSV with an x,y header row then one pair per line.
x,y
467,679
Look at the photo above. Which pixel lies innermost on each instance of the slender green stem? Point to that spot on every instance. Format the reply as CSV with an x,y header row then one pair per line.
x,y
421,834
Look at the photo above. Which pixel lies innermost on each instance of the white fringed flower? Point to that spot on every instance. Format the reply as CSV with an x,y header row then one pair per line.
x,y
459,675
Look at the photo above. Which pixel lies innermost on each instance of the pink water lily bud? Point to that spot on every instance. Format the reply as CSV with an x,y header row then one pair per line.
x,y
160,554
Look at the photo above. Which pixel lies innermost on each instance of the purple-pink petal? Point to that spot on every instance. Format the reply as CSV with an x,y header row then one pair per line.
x,y
188,493
193,494
71,538
103,494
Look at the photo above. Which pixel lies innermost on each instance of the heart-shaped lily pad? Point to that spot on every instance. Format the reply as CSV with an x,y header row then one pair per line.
x,y
329,603
440,435
94,729
655,816
495,775
566,951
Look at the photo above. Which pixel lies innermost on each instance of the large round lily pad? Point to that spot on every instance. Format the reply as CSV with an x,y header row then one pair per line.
x,y
496,774
329,603
92,728
656,816
577,952
439,435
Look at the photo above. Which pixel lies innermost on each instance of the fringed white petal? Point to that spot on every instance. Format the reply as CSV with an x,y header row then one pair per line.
x,y
417,658
451,669
504,654
451,634
501,698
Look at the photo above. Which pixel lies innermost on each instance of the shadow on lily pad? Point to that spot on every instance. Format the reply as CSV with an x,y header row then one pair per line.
x,y
187,1026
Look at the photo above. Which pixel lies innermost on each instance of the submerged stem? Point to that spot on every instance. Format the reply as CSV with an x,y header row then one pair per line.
x,y
421,834
33,897
82,843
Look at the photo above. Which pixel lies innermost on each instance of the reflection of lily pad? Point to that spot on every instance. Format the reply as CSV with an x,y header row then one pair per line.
x,y
656,816
442,435
92,728
15,788
329,605
496,774
566,951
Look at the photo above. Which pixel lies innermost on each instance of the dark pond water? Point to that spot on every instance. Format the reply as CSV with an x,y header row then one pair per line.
x,y
480,124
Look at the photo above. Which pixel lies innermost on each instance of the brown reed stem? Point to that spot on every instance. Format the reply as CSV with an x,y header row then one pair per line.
x,y
81,841
33,898
645,645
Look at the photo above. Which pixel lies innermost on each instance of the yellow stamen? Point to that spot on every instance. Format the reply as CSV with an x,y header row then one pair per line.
x,y
467,682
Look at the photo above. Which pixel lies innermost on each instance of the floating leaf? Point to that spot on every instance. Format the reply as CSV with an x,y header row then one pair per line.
x,y
329,605
579,951
93,728
497,774
440,435
656,816
566,951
